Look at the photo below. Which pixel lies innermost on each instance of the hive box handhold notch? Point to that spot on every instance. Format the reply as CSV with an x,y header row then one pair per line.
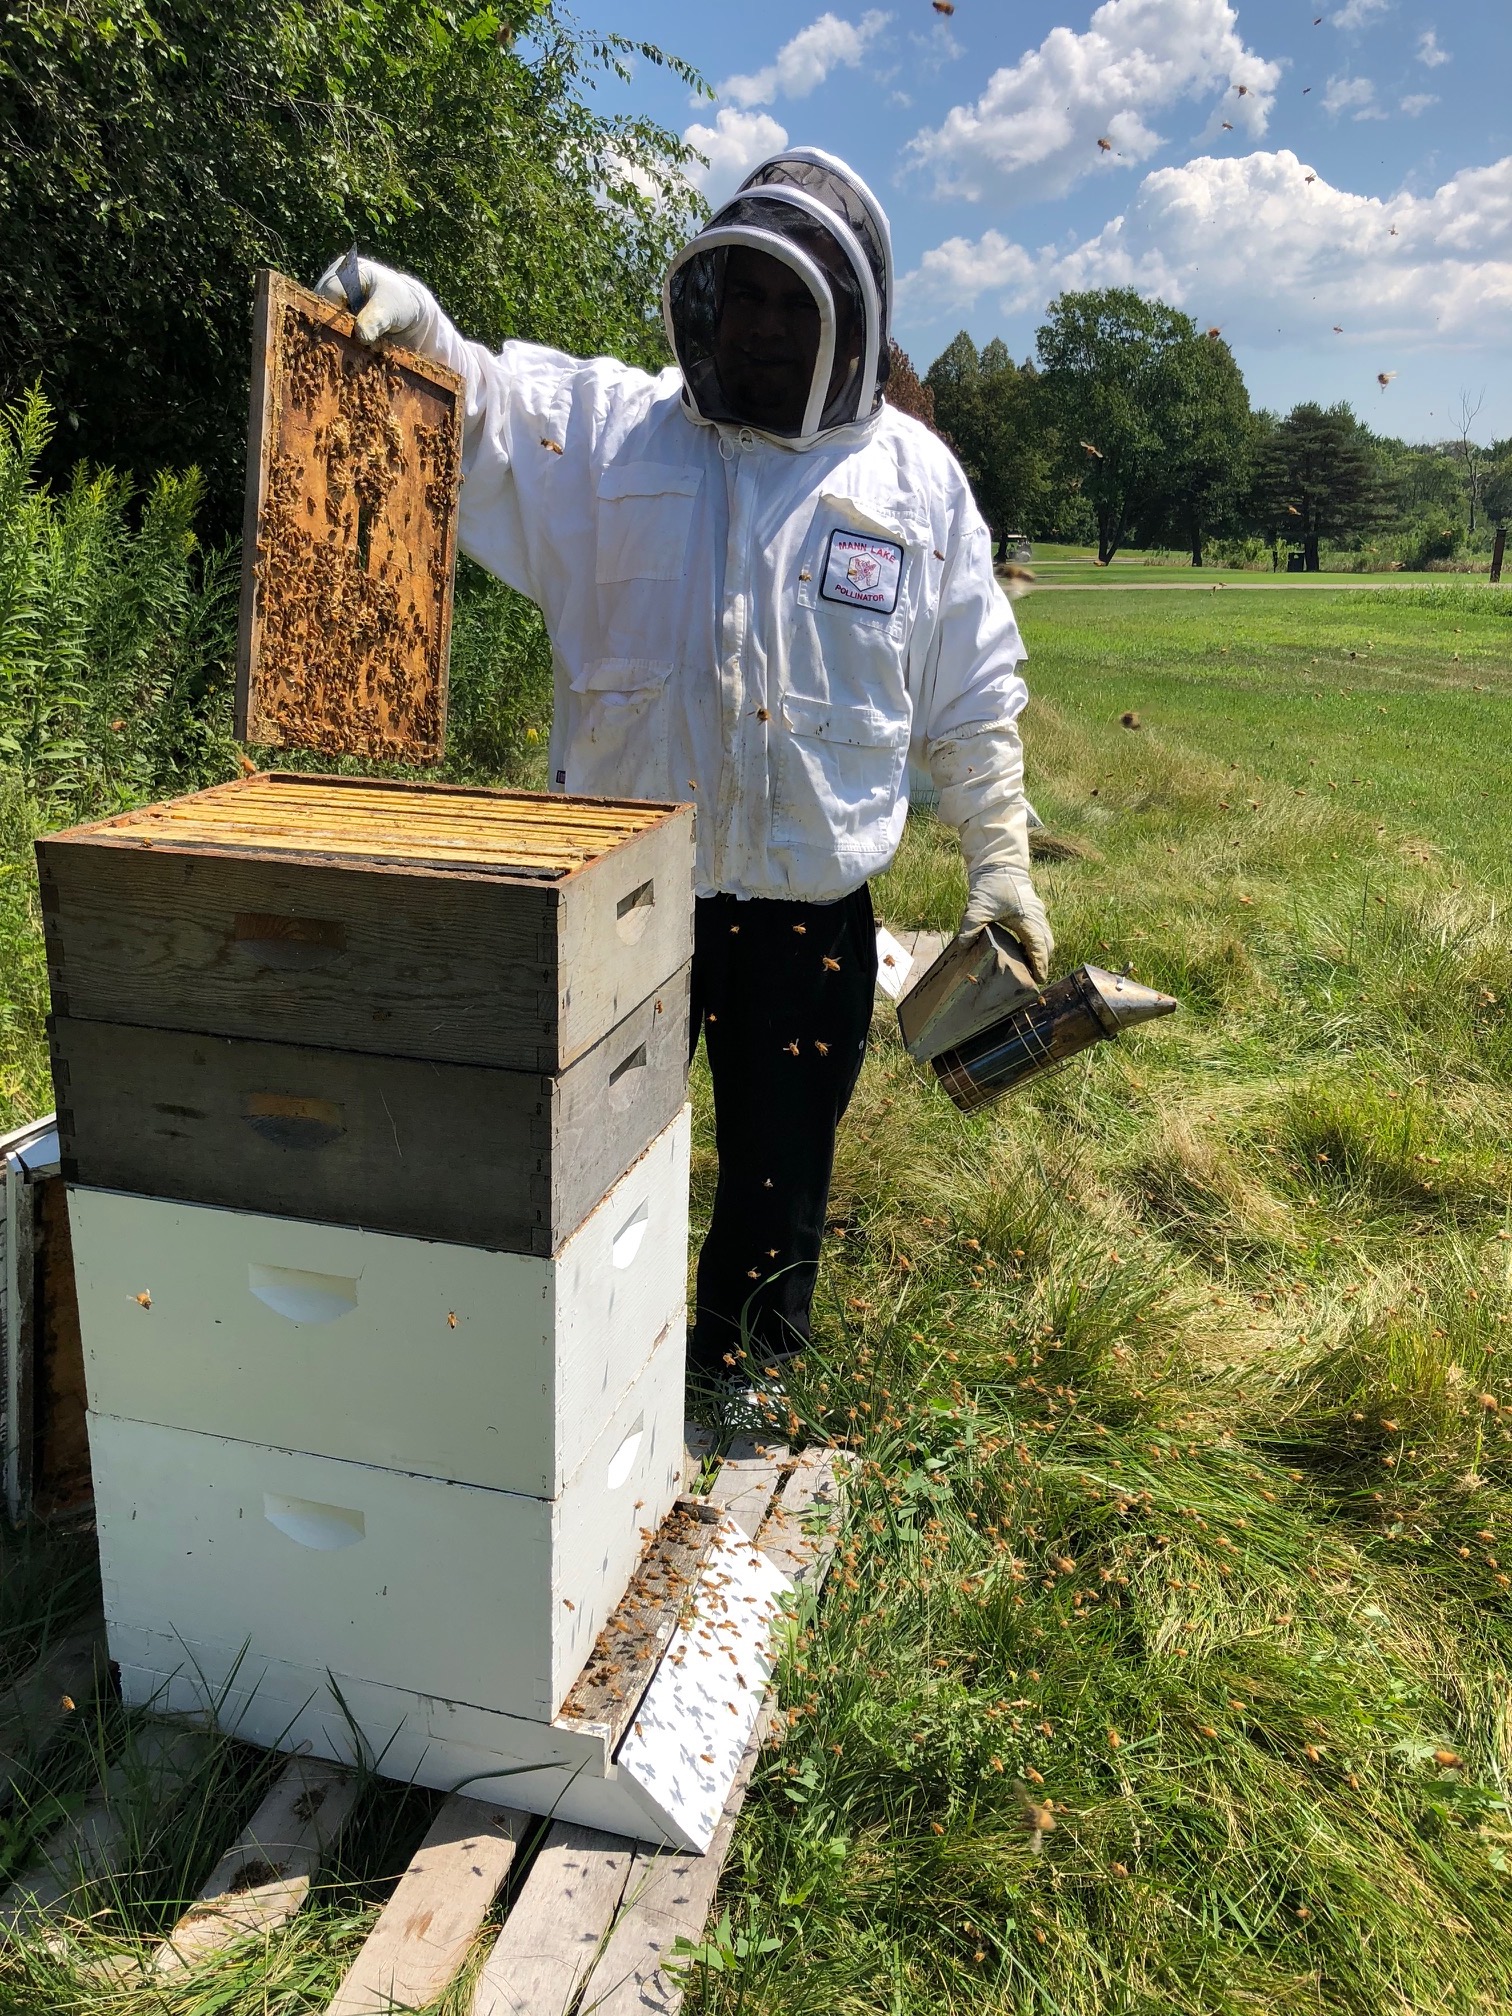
x,y
354,458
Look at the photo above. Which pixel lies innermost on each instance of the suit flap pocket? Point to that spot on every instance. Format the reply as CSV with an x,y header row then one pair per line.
x,y
833,721
624,678
649,479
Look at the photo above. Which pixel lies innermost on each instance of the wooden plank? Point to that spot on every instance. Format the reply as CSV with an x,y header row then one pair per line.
x,y
561,1924
36,1706
61,1480
556,1930
425,1931
20,1338
264,1878
105,1839
802,1530
745,1482
501,1159
669,1897
666,1898
354,469
447,961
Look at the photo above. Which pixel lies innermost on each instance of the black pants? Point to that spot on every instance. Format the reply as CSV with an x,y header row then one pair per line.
x,y
783,994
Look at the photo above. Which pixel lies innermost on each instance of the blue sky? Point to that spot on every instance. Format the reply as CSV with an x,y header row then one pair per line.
x,y
1348,212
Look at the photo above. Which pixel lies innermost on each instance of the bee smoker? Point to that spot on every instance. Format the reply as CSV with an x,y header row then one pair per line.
x,y
979,1017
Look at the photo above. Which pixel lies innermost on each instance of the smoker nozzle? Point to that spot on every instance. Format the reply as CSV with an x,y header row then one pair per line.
x,y
1087,1007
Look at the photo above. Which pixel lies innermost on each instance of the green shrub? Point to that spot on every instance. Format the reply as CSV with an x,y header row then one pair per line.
x,y
117,632
498,714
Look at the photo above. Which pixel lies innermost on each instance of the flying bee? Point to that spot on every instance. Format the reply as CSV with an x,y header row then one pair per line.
x,y
1105,146
1038,1816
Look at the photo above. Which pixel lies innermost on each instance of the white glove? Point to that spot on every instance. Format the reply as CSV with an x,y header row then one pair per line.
x,y
980,776
1001,893
392,303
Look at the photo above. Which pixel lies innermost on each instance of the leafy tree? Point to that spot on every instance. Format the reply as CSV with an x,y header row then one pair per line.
x,y
1320,478
904,389
1118,372
1497,494
1211,442
985,405
1416,480
158,150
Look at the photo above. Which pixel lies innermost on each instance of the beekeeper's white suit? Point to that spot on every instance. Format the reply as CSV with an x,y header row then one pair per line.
x,y
766,624
761,603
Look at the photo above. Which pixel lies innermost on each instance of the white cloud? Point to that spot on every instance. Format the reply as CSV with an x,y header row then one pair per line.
x,y
802,65
1355,95
734,144
1359,13
1429,52
957,273
1034,131
1418,101
1250,244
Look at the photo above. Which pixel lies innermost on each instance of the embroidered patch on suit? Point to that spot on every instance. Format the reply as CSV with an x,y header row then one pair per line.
x,y
863,571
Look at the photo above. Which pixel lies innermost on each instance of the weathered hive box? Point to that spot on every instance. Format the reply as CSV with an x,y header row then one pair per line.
x,y
494,1369
225,1548
462,926
480,1001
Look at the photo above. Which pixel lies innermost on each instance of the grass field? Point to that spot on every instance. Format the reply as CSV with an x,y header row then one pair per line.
x,y
1165,1666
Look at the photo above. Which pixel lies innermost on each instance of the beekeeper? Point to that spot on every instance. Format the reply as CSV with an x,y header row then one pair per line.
x,y
764,588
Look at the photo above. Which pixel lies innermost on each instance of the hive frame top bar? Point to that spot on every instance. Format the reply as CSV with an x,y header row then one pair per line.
x,y
385,823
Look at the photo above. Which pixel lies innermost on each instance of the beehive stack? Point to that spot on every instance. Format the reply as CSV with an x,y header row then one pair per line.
x,y
371,1098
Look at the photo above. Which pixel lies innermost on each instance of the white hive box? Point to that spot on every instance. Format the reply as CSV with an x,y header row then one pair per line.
x,y
497,1369
667,1780
490,1598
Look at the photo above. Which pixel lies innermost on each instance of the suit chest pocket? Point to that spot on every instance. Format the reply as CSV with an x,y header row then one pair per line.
x,y
645,522
856,598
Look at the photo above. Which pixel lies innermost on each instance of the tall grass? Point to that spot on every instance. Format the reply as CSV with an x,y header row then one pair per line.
x,y
117,636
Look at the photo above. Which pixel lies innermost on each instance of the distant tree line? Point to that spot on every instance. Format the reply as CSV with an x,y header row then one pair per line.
x,y
1131,426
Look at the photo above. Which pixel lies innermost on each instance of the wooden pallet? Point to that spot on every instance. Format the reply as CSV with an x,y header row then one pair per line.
x,y
596,1917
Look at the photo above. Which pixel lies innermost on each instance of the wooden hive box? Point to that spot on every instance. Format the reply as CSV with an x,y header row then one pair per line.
x,y
452,1013
432,921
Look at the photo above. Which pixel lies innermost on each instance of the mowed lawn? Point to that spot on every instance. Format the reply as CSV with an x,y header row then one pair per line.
x,y
1164,1667
1395,709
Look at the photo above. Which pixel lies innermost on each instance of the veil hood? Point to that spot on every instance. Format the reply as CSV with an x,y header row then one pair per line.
x,y
811,212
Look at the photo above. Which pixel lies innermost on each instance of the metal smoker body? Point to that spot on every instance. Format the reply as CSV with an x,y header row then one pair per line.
x,y
978,1017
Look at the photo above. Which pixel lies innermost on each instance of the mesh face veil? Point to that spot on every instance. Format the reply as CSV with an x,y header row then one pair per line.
x,y
830,240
